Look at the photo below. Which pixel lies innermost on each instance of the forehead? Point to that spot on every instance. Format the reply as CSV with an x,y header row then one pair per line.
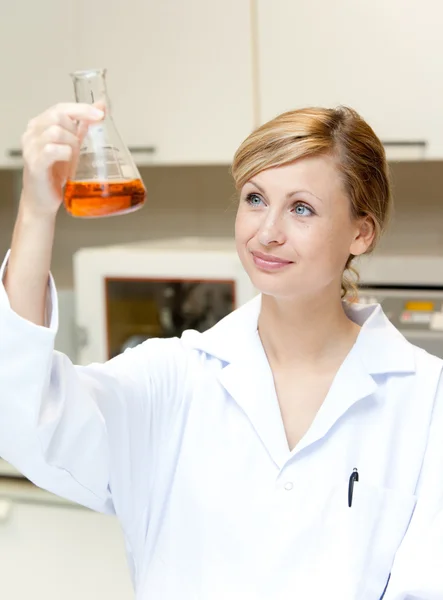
x,y
317,174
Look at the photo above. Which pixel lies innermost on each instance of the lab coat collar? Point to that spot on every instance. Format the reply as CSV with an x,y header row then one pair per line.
x,y
247,376
382,348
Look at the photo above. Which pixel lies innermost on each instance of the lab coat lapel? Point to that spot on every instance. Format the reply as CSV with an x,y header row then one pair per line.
x,y
379,350
250,383
246,375
351,384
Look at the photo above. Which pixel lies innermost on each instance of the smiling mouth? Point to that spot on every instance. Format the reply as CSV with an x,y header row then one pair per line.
x,y
269,262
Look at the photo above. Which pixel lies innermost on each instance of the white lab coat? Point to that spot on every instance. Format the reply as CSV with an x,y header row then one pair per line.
x,y
183,440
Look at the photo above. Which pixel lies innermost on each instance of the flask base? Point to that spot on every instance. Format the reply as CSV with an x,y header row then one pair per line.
x,y
88,199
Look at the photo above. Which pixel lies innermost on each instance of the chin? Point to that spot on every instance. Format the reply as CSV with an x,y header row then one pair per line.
x,y
273,284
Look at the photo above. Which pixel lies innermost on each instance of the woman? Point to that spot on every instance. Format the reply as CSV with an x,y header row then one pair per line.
x,y
294,450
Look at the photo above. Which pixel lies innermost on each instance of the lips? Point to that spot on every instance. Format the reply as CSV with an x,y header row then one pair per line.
x,y
269,263
271,258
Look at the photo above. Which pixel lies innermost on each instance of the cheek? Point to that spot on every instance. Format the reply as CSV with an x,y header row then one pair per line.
x,y
323,244
309,238
242,236
337,242
244,227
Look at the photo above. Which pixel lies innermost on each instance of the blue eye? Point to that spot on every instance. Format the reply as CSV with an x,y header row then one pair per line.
x,y
302,210
253,199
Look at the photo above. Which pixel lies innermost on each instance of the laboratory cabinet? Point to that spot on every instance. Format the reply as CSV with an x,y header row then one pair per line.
x,y
381,58
52,549
179,74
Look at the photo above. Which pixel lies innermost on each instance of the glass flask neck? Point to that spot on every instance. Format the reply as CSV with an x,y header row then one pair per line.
x,y
90,86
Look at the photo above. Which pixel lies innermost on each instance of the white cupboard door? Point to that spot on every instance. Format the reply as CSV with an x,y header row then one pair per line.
x,y
179,75
37,53
383,58
56,552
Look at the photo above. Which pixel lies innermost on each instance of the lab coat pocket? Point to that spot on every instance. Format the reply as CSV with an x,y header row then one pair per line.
x,y
357,544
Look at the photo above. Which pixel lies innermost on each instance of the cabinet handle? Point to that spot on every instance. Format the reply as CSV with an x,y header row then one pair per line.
x,y
18,153
142,149
397,150
14,153
405,143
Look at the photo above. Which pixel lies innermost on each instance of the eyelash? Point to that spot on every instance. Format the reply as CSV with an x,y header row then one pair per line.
x,y
251,195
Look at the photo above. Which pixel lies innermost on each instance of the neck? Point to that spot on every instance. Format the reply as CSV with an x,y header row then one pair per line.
x,y
306,330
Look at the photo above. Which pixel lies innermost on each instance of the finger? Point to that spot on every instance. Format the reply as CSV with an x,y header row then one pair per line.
x,y
53,153
67,123
40,159
33,144
79,111
66,115
46,120
59,135
82,130
100,105
83,126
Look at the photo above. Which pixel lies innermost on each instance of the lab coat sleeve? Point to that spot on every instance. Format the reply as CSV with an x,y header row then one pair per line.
x,y
417,572
89,434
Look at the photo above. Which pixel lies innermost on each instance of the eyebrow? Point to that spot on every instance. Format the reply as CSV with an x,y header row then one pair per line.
x,y
287,195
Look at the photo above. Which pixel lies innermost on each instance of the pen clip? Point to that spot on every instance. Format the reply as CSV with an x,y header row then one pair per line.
x,y
352,479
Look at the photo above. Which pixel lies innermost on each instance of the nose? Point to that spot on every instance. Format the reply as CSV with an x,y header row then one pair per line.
x,y
271,232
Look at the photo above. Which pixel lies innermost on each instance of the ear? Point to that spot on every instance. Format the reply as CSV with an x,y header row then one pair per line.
x,y
364,237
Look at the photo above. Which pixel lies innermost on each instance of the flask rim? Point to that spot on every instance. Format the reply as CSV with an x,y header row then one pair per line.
x,y
88,73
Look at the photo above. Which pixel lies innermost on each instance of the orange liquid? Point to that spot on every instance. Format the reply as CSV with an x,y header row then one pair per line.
x,y
102,198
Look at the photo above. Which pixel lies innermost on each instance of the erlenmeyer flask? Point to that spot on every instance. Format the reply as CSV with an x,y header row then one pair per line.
x,y
105,180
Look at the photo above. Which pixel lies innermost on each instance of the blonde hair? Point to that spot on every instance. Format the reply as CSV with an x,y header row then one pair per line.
x,y
339,132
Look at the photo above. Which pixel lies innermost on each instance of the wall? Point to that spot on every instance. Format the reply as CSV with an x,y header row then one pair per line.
x,y
182,201
417,224
187,201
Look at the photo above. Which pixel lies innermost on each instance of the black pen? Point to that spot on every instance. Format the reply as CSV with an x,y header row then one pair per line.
x,y
352,479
